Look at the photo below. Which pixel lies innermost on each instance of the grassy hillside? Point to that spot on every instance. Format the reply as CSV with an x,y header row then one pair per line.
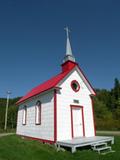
x,y
15,148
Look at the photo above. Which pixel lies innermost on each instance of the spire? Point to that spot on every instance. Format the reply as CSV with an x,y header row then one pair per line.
x,y
69,55
68,46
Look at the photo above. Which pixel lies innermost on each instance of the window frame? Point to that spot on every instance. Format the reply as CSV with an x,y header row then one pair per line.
x,y
78,86
24,119
38,113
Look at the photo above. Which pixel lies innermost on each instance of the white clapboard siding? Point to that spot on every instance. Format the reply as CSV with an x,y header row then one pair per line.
x,y
46,129
65,98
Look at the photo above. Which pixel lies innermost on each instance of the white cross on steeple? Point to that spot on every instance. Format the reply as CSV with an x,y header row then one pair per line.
x,y
67,31
69,55
68,46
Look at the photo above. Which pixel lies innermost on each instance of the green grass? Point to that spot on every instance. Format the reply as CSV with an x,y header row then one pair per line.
x,y
16,148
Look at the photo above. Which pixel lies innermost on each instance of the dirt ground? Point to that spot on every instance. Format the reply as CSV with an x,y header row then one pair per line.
x,y
109,132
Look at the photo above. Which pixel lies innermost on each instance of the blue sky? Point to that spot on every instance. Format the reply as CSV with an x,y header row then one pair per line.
x,y
32,41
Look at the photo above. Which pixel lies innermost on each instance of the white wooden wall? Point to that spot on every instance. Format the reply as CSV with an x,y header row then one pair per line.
x,y
46,129
65,98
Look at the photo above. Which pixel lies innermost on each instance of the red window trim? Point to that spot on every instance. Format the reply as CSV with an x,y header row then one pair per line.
x,y
38,123
75,90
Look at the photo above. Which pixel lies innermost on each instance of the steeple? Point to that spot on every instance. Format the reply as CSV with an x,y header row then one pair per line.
x,y
69,55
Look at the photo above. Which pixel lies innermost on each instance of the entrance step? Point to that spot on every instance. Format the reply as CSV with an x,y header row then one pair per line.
x,y
101,148
98,145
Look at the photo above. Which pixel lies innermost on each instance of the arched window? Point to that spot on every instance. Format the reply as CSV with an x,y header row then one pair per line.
x,y
38,113
24,115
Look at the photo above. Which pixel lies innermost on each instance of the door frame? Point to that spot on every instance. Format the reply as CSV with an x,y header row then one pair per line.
x,y
71,110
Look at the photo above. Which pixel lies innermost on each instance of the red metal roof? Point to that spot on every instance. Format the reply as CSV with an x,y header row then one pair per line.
x,y
51,83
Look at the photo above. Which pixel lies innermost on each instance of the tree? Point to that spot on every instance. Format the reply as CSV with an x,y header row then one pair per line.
x,y
116,89
105,97
103,117
12,112
115,94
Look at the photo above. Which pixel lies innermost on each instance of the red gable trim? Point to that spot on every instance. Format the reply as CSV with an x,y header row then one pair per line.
x,y
94,92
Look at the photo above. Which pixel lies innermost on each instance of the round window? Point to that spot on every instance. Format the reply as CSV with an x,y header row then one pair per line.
x,y
75,85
